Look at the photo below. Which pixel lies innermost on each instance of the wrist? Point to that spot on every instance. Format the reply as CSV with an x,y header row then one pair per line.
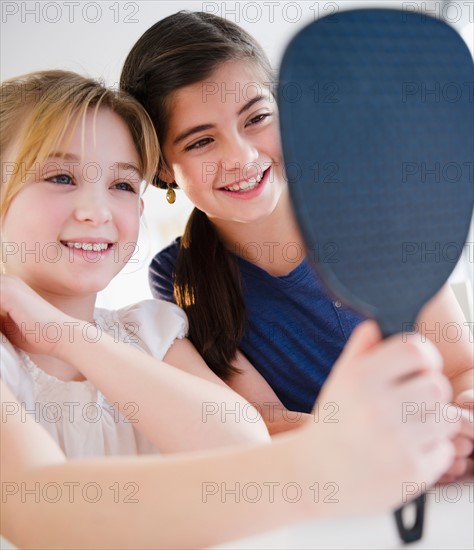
x,y
73,333
319,489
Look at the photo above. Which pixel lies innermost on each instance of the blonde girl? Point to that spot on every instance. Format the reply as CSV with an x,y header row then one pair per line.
x,y
74,155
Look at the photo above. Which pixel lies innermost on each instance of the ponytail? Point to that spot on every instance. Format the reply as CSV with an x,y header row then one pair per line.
x,y
207,286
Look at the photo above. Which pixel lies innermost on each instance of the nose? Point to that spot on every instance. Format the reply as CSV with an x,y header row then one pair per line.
x,y
92,205
239,152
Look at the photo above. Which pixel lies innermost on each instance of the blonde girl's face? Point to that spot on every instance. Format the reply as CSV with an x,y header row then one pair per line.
x,y
74,223
222,145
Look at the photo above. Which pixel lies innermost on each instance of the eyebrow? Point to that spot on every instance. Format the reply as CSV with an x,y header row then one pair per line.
x,y
128,166
204,127
251,103
70,157
62,156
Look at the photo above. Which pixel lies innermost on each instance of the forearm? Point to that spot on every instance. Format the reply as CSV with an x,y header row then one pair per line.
x,y
135,502
141,500
320,470
175,410
278,419
443,322
250,384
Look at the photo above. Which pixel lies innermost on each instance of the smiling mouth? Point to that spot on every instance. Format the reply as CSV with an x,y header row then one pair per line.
x,y
95,247
246,185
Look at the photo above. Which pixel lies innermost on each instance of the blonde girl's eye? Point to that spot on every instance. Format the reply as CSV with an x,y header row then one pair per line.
x,y
61,179
124,186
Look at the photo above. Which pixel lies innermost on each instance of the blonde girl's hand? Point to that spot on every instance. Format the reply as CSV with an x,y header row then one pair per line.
x,y
379,438
463,411
465,399
463,445
28,321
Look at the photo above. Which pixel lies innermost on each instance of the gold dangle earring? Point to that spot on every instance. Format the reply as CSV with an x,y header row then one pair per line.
x,y
170,195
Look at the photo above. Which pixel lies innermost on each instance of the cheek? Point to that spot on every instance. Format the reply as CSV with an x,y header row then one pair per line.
x,y
24,221
272,142
129,222
128,225
24,240
195,182
200,195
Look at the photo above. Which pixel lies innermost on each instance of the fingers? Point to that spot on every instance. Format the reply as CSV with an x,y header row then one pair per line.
x,y
434,462
8,326
456,470
424,410
430,391
467,424
364,337
394,393
395,358
463,444
10,330
465,399
9,284
410,355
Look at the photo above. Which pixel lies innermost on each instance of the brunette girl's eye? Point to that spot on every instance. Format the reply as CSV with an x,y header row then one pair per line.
x,y
124,186
61,179
258,119
198,144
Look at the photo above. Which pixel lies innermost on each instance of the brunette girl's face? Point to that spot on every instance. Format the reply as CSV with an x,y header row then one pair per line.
x,y
73,225
223,147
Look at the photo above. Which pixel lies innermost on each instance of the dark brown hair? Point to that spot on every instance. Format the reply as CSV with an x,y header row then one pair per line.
x,y
180,50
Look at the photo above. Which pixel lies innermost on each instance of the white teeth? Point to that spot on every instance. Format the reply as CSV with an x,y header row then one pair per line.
x,y
245,185
96,247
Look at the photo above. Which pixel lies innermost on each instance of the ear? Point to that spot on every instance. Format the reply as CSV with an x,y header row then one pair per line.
x,y
165,174
142,206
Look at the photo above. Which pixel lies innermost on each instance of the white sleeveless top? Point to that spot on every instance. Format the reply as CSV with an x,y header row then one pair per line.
x,y
76,414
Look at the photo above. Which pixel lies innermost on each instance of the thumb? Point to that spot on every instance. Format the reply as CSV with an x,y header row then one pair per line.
x,y
365,337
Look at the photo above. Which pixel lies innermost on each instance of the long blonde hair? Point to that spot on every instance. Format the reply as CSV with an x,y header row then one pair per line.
x,y
36,111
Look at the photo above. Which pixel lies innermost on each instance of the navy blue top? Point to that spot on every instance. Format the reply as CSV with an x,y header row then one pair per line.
x,y
294,333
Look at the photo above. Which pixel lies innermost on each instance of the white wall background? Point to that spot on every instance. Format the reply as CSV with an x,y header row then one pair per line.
x,y
93,38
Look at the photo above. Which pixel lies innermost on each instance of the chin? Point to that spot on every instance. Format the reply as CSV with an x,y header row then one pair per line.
x,y
85,287
255,216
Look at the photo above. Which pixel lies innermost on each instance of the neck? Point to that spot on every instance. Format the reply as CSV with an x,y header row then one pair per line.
x,y
79,307
273,243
